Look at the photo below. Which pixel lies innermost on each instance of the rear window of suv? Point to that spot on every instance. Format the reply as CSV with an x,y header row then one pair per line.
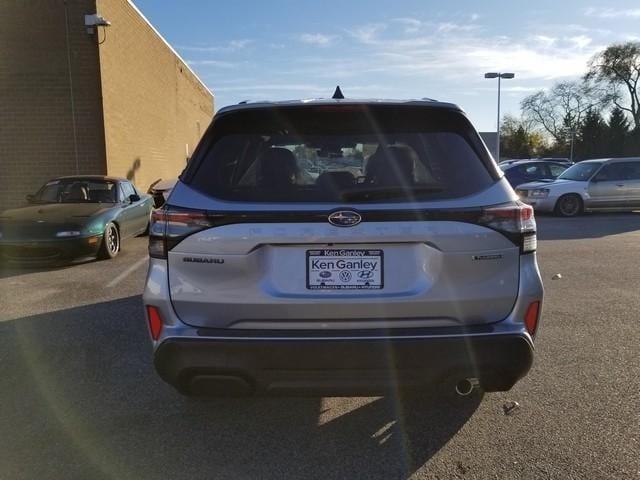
x,y
340,153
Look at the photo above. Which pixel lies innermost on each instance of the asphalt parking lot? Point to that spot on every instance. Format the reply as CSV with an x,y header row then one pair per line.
x,y
80,398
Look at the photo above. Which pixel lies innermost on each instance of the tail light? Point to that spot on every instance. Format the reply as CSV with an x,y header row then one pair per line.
x,y
514,220
155,321
531,317
169,226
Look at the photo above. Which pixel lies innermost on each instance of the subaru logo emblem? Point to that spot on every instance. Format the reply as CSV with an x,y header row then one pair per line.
x,y
345,218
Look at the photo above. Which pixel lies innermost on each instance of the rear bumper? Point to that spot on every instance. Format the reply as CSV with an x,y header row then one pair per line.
x,y
341,366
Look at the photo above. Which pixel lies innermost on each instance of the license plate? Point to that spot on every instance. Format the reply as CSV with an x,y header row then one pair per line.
x,y
345,269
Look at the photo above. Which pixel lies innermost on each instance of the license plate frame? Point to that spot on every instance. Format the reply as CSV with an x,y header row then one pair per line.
x,y
337,280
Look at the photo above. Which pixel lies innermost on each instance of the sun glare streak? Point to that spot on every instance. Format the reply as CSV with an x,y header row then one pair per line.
x,y
69,420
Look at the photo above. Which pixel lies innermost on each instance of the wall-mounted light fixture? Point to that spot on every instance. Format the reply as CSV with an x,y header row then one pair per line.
x,y
94,22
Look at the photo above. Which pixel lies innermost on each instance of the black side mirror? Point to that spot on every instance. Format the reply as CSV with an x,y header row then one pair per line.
x,y
30,198
134,198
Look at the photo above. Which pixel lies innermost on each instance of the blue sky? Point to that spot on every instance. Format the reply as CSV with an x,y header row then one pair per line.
x,y
256,50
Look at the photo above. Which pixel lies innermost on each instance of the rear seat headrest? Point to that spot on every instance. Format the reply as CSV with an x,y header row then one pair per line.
x,y
277,167
393,165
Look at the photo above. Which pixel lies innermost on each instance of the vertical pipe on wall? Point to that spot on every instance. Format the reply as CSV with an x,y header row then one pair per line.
x,y
71,97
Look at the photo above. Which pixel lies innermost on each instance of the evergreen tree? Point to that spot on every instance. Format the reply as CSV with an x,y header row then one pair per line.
x,y
632,144
591,137
618,131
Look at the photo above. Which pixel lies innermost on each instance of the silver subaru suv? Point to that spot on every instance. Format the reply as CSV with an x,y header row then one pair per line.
x,y
339,247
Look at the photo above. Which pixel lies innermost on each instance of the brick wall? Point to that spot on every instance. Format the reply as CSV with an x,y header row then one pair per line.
x,y
138,109
155,109
36,115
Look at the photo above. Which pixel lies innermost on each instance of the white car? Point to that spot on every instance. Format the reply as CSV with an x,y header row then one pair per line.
x,y
603,184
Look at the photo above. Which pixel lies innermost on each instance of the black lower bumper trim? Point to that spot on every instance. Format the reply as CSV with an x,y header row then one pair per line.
x,y
340,367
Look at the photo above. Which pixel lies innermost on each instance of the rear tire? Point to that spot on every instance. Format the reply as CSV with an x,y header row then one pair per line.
x,y
110,246
570,205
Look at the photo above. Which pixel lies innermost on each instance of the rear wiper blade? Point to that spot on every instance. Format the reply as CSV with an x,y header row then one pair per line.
x,y
376,193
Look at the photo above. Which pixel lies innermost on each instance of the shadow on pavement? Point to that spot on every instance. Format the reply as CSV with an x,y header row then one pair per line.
x,y
81,400
8,270
593,225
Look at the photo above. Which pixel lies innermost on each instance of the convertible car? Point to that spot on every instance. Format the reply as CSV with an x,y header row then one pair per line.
x,y
74,218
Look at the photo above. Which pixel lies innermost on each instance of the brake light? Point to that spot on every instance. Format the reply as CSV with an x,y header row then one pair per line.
x,y
516,221
155,321
531,317
169,226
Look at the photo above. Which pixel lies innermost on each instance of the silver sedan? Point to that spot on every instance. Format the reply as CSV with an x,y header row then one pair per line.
x,y
604,184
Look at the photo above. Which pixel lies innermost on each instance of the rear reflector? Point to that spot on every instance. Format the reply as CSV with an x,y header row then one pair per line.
x,y
155,321
529,243
531,317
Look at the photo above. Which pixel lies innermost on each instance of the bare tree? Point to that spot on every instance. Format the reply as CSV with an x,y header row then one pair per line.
x,y
513,122
561,109
618,65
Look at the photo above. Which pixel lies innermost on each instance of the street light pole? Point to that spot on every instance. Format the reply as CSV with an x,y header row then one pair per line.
x,y
572,137
498,124
499,76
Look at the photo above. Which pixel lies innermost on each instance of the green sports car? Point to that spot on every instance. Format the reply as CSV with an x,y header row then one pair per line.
x,y
74,218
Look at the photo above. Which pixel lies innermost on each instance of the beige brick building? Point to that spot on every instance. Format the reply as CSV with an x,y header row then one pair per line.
x,y
115,100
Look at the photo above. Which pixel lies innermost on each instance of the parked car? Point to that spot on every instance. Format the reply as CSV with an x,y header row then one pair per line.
x,y
405,263
564,160
160,190
511,160
529,171
604,184
75,217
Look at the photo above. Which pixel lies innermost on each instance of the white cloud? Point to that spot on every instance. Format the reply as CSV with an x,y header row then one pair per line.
x,y
410,51
414,57
212,63
411,25
240,44
544,40
230,46
457,54
516,89
452,27
367,34
270,87
319,39
612,12
580,41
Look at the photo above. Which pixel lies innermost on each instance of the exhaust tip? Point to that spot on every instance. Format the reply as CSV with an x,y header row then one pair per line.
x,y
466,386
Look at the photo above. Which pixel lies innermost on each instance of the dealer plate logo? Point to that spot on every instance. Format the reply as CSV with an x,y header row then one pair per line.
x,y
345,276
